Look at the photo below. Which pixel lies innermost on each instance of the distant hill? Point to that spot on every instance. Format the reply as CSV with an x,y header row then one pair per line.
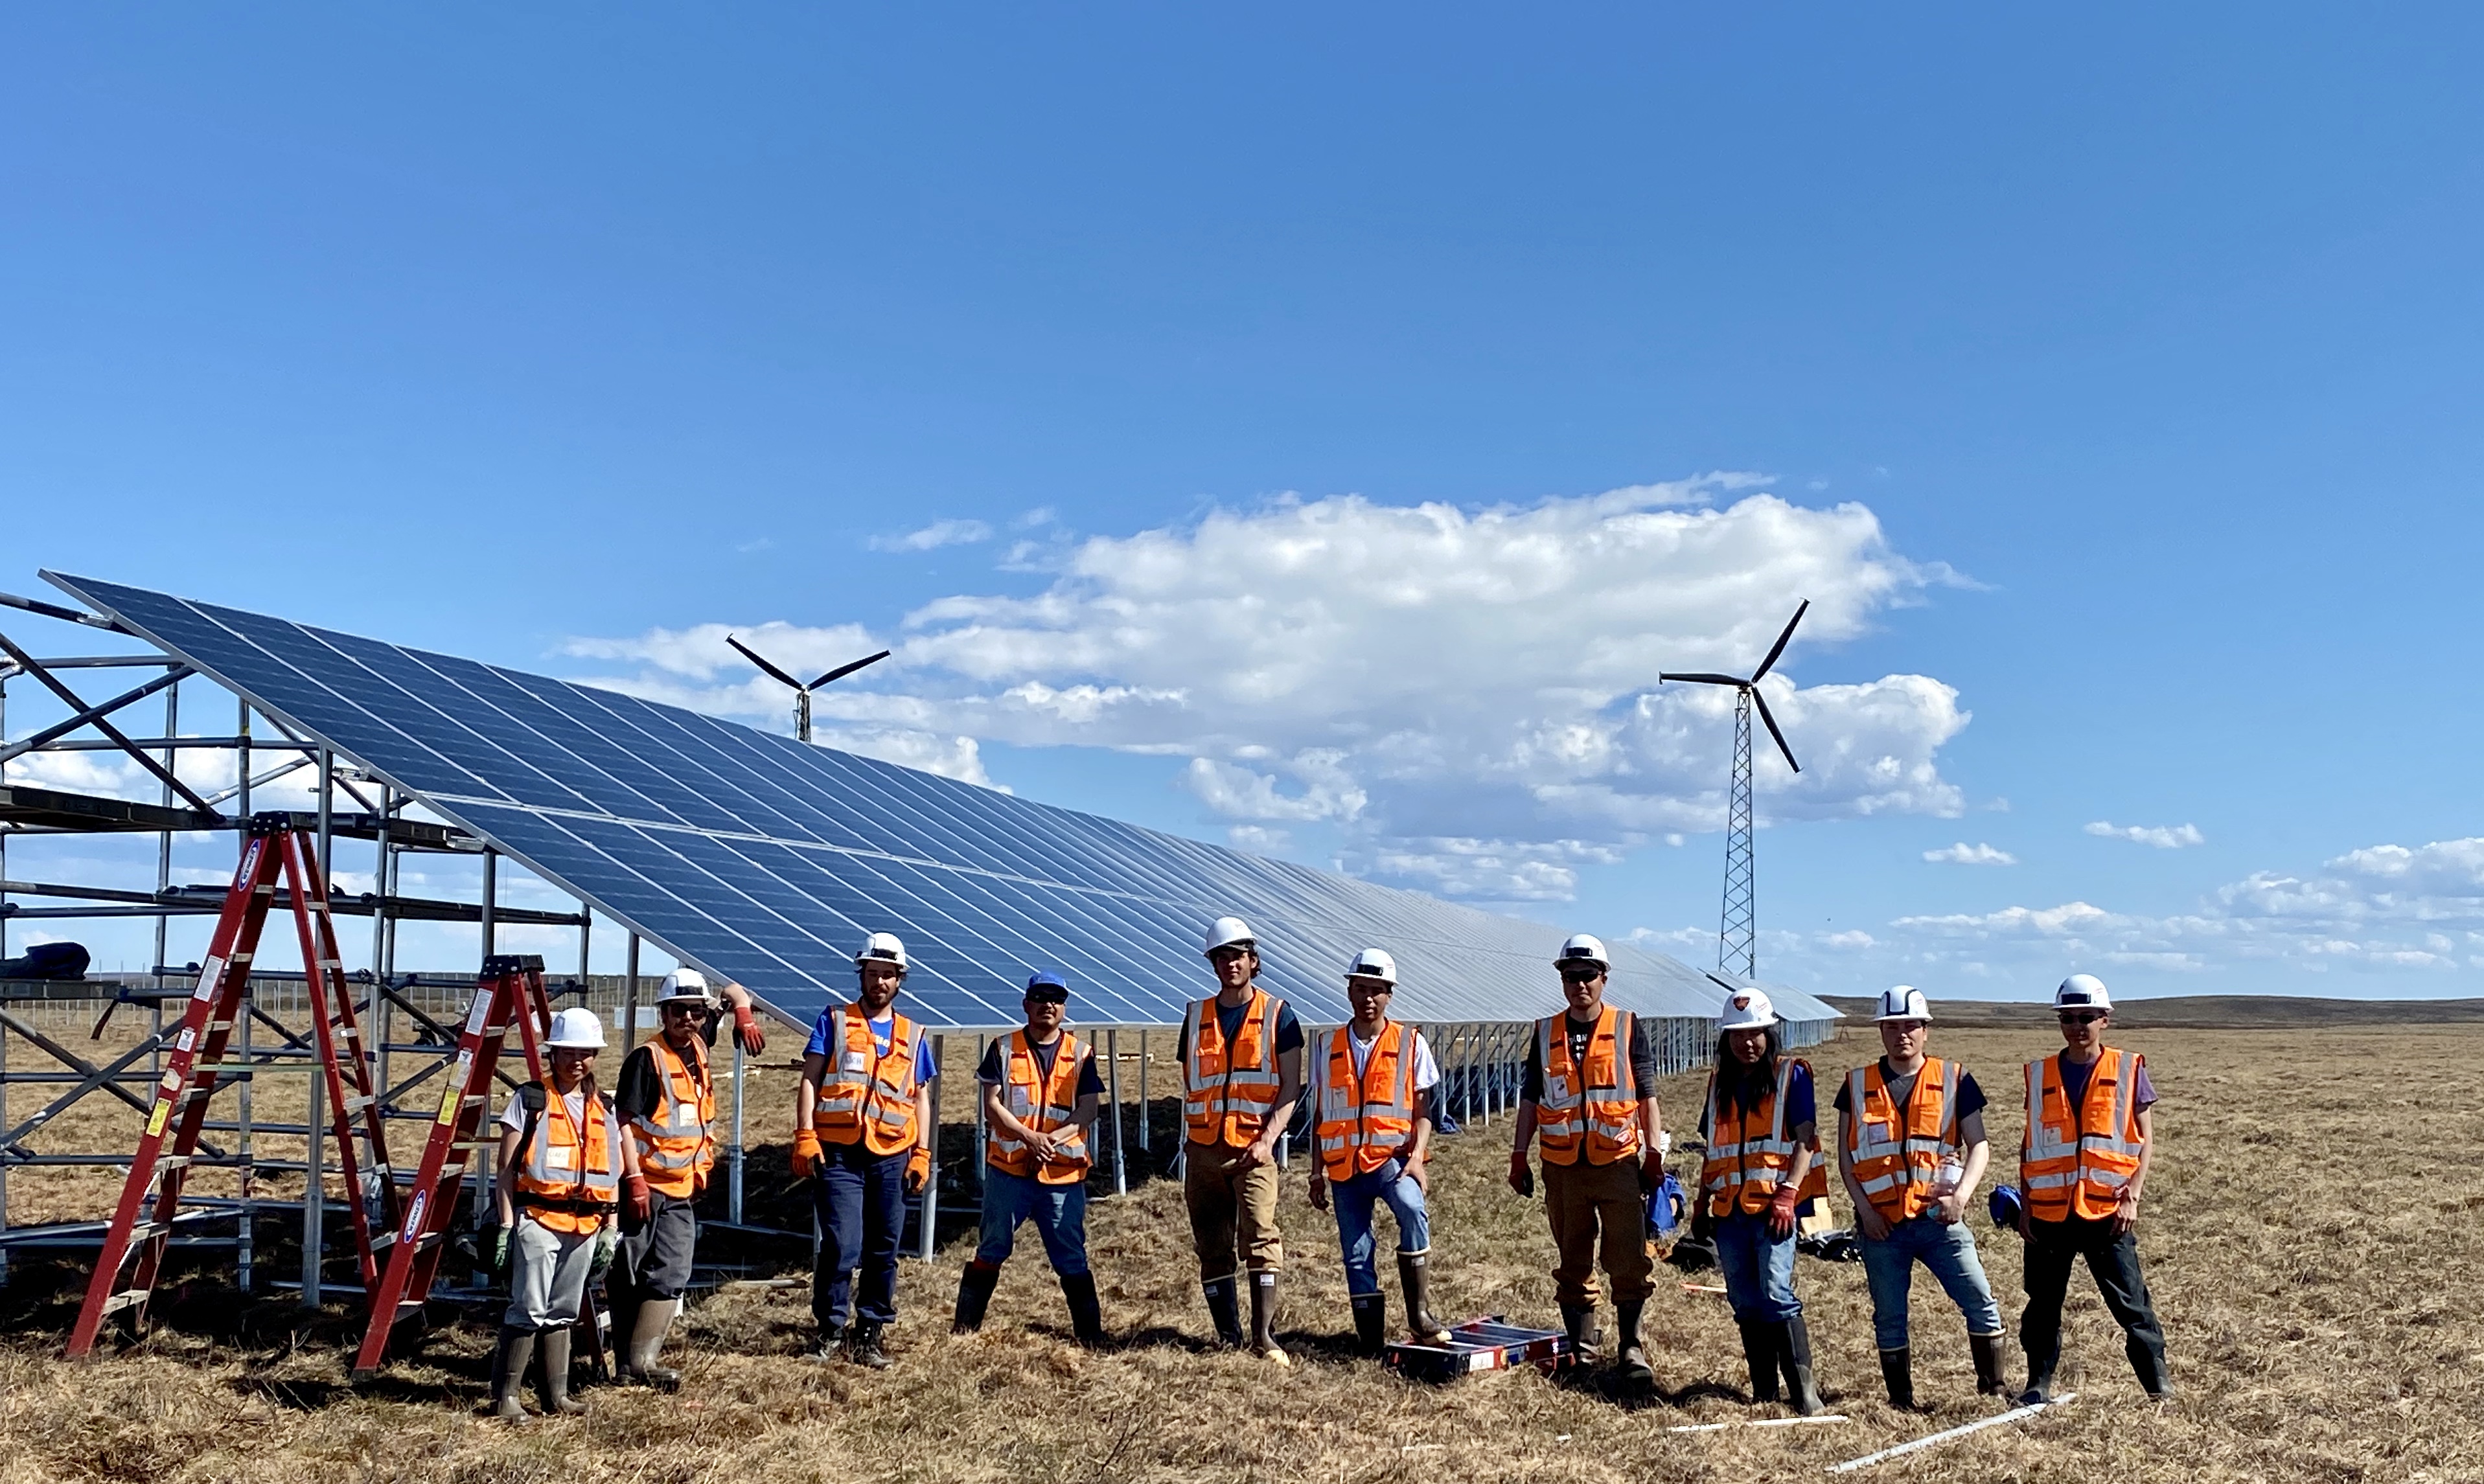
x,y
2202,1012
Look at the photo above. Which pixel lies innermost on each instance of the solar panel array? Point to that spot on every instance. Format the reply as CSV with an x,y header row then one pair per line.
x,y
766,860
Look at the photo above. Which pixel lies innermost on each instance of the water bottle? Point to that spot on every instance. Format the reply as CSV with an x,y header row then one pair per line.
x,y
1952,1171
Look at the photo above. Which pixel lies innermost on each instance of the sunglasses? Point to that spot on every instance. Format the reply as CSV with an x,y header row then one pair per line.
x,y
2081,1018
1587,978
688,1012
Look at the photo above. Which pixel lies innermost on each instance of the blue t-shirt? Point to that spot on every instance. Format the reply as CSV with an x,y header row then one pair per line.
x,y
881,1029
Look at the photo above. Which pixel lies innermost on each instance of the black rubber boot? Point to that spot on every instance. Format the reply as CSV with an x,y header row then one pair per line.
x,y
865,1351
1631,1360
1579,1322
553,1345
509,1365
1086,1312
646,1340
2147,1364
1794,1351
1987,1350
1897,1369
974,1296
1224,1311
2039,1376
1760,1354
1263,1320
1415,1276
1370,1323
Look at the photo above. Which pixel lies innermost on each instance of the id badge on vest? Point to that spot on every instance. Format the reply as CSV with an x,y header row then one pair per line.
x,y
560,1157
685,1115
856,1062
1020,1104
1556,1088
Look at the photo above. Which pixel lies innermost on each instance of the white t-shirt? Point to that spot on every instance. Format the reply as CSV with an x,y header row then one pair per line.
x,y
1427,1072
513,1116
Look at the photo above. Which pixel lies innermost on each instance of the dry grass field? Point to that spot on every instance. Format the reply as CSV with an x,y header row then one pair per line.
x,y
2312,1236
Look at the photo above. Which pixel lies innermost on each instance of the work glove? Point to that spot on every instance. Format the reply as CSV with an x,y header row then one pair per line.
x,y
1781,1211
639,1202
500,1252
918,1170
745,1030
1703,1221
607,1240
806,1153
1522,1176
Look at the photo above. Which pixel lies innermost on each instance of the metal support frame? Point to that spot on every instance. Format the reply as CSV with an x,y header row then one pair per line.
x,y
1738,922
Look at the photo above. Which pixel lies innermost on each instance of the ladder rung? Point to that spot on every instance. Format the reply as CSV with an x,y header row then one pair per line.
x,y
174,1161
147,1231
126,1297
358,1104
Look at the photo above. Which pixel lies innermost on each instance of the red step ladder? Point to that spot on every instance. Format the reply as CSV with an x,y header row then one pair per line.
x,y
510,992
142,1224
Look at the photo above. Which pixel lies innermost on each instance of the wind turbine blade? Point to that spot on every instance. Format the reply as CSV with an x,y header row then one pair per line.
x,y
844,670
754,656
1761,702
1706,679
1770,662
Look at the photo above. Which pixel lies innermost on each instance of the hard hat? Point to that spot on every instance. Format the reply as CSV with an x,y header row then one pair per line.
x,y
1374,963
1047,985
1231,933
1903,1001
1746,1010
576,1028
1585,947
2083,992
687,984
2005,1206
881,948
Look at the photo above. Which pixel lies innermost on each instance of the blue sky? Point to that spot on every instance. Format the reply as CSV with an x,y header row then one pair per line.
x,y
2107,379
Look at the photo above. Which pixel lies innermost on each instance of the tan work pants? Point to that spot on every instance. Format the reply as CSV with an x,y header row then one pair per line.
x,y
1232,1211
1587,1203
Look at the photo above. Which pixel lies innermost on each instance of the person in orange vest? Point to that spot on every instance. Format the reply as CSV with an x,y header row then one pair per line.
x,y
1763,1164
1590,1092
1241,1053
863,1125
1042,1094
563,1163
1375,1135
2081,1166
1912,1150
666,1099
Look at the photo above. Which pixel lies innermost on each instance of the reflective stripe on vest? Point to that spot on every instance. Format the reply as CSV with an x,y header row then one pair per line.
x,y
1228,1092
867,1095
1897,1152
675,1148
1748,1159
568,1177
2077,1165
1365,1121
1042,1103
1593,1109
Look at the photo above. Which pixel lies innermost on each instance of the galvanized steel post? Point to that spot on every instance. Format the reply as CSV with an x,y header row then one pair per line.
x,y
1113,1049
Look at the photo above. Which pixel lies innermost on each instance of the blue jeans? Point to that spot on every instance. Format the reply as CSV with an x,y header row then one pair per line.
x,y
1058,1213
1889,1267
1759,1270
860,1200
1353,1198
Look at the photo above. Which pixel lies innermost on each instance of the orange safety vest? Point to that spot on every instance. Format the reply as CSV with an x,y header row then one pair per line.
x,y
867,1095
1365,1121
1228,1092
1596,1112
2079,1166
675,1150
568,1178
1895,1153
1045,1104
1748,1159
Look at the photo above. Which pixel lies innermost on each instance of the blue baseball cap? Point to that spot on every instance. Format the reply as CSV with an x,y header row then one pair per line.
x,y
2005,1206
1047,985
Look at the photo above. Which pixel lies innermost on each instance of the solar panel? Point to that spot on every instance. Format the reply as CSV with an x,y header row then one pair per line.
x,y
766,860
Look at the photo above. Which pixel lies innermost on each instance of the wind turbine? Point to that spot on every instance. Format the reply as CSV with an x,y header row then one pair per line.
x,y
801,692
1738,926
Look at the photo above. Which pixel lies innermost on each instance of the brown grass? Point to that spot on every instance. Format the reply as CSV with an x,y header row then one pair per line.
x,y
2312,1237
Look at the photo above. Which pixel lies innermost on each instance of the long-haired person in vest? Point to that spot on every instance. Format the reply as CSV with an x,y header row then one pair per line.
x,y
666,1100
2081,1168
563,1163
1763,1164
863,1125
1591,1094
1040,1094
1241,1052
1375,1078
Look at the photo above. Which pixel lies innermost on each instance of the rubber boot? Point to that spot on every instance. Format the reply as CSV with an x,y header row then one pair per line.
x,y
553,1345
866,1351
1987,1350
1897,1369
2147,1364
1224,1311
1794,1351
646,1341
1760,1354
509,1365
1415,1276
1632,1360
974,1296
2039,1376
1577,1321
1085,1313
1371,1324
1263,1320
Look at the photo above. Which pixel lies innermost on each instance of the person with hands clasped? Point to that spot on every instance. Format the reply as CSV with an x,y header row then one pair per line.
x,y
1591,1094
863,1118
1375,1135
1911,1151
1762,1163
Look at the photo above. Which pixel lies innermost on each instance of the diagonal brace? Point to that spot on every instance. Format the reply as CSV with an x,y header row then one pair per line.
x,y
62,729
93,716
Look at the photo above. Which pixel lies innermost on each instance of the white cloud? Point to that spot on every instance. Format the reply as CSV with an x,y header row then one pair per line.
x,y
1965,854
937,534
2162,837
1259,839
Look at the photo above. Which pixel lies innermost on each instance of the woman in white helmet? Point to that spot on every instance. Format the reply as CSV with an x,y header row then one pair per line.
x,y
1762,1124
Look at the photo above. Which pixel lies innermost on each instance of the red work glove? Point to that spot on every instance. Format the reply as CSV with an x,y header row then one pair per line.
x,y
1781,1211
745,1030
806,1151
918,1170
639,1202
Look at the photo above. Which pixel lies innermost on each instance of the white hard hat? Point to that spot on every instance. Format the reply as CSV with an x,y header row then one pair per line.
x,y
2082,991
1374,963
1903,1001
576,1029
1231,933
687,984
1746,1010
1587,947
881,948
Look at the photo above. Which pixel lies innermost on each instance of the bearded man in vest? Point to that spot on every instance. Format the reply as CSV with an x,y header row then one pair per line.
x,y
1590,1092
1375,1133
1241,1053
666,1100
1912,1150
1041,1096
2080,1166
863,1123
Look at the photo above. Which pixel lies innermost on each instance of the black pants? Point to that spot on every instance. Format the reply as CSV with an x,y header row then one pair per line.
x,y
2114,1260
